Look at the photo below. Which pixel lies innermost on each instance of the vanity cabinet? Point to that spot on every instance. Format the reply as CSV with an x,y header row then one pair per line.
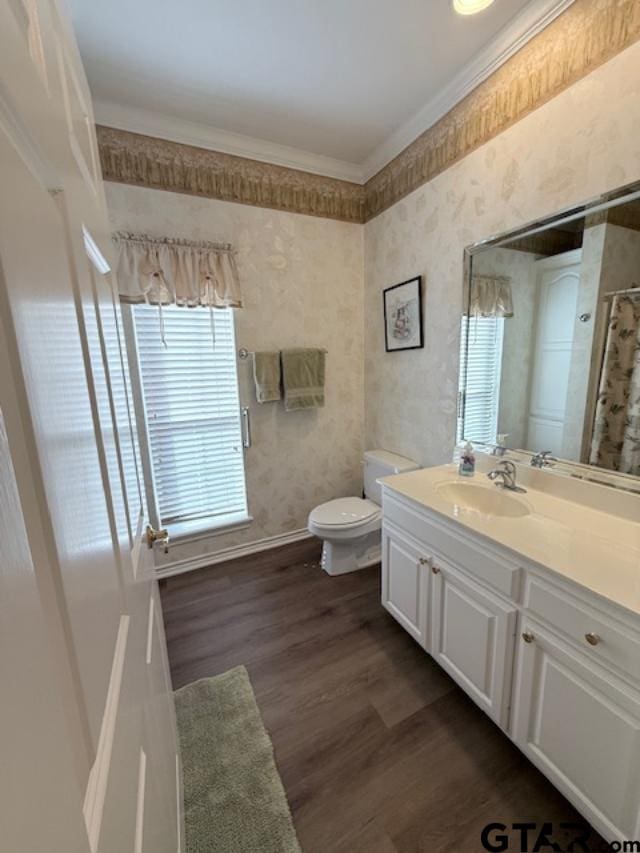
x,y
472,638
405,581
580,726
555,666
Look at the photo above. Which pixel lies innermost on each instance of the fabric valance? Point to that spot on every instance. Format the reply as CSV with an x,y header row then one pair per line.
x,y
490,297
164,271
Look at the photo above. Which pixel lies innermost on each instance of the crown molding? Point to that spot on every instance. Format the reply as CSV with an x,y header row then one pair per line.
x,y
534,17
162,126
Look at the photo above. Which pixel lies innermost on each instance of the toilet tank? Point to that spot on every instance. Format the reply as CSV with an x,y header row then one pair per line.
x,y
382,463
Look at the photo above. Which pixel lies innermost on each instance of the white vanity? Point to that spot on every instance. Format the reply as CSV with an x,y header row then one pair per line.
x,y
531,603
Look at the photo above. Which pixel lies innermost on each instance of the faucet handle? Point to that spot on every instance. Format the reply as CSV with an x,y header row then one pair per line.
x,y
543,458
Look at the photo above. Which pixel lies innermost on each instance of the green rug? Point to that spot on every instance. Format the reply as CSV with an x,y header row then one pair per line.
x,y
233,797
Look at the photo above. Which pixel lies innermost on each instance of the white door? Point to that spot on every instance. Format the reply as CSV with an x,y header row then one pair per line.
x,y
472,639
581,726
405,581
40,795
94,702
557,285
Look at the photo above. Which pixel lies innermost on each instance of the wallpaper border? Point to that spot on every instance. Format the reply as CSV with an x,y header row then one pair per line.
x,y
585,36
131,158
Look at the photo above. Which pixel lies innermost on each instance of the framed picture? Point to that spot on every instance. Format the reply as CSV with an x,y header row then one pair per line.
x,y
403,315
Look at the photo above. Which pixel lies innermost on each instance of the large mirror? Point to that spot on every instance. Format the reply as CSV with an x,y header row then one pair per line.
x,y
550,353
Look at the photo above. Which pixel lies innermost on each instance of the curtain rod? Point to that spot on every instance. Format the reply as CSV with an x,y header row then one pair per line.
x,y
128,237
506,278
629,291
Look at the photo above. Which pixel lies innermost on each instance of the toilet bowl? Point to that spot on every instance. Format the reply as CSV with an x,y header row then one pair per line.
x,y
350,527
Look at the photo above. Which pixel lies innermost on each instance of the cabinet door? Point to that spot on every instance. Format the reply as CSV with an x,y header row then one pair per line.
x,y
405,581
473,638
581,727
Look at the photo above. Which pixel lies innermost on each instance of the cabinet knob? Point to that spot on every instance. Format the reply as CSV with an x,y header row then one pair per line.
x,y
435,570
528,637
592,639
425,561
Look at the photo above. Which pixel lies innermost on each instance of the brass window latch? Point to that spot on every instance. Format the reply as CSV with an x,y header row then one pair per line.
x,y
152,536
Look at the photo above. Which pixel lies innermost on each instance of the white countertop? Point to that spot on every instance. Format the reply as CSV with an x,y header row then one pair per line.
x,y
593,548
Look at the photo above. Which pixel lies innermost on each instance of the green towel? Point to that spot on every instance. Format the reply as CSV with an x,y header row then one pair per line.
x,y
266,374
303,378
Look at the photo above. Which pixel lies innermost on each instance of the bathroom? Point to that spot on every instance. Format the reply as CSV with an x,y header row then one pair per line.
x,y
393,605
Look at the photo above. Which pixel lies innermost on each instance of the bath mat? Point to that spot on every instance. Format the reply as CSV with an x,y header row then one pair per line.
x,y
233,796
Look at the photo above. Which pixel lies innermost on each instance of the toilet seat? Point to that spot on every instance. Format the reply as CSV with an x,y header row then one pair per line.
x,y
344,512
345,519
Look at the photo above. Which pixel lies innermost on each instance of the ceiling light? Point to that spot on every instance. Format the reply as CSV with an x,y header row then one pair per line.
x,y
470,7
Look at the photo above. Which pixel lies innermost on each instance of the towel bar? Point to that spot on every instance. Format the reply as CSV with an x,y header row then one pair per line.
x,y
243,353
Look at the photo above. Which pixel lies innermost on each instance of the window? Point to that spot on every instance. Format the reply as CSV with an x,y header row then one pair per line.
x,y
480,368
192,413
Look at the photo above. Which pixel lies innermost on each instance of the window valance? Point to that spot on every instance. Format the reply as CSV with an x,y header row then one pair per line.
x,y
165,271
490,296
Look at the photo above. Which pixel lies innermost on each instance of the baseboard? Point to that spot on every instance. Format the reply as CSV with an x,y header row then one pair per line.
x,y
190,564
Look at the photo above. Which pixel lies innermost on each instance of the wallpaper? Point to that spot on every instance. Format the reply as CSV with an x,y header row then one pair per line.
x,y
302,285
581,143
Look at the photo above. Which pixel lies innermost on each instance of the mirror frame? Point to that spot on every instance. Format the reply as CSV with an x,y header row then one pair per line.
x,y
566,467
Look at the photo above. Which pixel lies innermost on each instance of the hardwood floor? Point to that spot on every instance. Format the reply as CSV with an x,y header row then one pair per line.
x,y
379,751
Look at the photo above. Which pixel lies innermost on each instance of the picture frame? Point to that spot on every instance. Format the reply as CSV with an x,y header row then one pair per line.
x,y
402,304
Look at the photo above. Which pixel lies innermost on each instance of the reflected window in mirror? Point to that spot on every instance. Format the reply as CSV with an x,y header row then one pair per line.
x,y
480,370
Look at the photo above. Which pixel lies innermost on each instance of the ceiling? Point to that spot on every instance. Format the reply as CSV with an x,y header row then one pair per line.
x,y
335,78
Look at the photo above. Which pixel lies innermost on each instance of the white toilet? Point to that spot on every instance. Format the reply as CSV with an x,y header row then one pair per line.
x,y
350,527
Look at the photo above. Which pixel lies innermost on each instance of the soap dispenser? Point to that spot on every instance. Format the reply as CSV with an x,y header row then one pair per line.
x,y
467,465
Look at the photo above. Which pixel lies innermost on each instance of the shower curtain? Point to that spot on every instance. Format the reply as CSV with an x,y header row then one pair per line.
x,y
616,431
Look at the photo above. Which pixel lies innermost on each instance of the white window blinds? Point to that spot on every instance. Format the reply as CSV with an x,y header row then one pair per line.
x,y
190,391
480,369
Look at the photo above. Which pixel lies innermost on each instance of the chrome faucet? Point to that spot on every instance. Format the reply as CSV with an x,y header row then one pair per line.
x,y
543,459
506,474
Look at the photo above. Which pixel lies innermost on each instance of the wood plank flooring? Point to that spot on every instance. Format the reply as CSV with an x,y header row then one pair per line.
x,y
379,751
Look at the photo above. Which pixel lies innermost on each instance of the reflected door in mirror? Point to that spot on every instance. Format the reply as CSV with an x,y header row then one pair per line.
x,y
557,289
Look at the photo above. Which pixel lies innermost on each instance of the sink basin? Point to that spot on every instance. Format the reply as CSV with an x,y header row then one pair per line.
x,y
485,500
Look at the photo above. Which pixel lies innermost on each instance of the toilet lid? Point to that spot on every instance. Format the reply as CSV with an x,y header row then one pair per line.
x,y
344,511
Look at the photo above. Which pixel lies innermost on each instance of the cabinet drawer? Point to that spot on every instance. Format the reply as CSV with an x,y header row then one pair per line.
x,y
470,553
615,645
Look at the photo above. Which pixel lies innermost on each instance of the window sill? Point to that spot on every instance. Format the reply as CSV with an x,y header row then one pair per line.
x,y
204,528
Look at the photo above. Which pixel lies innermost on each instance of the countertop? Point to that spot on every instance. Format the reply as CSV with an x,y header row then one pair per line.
x,y
590,547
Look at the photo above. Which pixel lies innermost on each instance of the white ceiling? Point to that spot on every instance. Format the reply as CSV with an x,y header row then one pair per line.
x,y
343,79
